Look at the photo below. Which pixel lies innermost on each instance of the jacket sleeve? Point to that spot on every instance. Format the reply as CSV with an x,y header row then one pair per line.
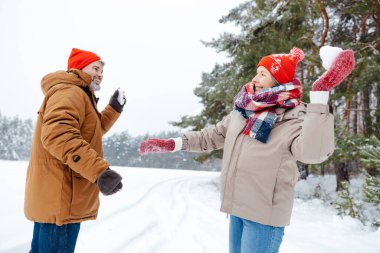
x,y
61,137
312,141
108,118
207,139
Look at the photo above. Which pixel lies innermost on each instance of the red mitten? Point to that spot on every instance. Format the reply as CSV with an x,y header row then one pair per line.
x,y
156,146
341,66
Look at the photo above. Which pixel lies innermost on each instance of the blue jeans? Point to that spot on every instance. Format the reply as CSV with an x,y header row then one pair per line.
x,y
250,237
50,238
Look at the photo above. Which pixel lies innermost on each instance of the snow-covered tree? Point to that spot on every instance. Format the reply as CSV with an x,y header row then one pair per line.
x,y
121,149
346,205
364,204
370,156
15,138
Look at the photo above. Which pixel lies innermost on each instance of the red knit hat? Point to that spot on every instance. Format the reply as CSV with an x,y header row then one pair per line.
x,y
79,59
282,66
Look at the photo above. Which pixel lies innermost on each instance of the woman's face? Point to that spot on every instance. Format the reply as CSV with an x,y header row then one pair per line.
x,y
263,79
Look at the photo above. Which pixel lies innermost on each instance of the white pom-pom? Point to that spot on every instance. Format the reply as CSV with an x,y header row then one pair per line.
x,y
328,55
298,53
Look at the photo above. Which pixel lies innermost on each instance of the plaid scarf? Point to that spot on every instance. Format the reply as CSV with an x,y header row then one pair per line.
x,y
259,108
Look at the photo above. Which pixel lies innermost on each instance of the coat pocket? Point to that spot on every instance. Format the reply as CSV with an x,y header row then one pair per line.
x,y
85,199
288,173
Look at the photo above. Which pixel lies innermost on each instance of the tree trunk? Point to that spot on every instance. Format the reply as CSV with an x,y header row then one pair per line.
x,y
377,113
373,171
367,122
341,173
355,115
304,171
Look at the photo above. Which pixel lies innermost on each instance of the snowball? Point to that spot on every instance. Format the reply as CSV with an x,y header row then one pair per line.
x,y
121,96
328,55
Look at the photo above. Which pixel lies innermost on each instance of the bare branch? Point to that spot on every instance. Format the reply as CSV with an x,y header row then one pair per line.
x,y
373,45
326,19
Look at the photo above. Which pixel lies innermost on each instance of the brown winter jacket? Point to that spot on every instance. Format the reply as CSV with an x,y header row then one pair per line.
x,y
257,179
66,155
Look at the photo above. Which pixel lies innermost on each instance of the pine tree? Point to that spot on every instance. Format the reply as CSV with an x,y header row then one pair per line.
x,y
15,138
121,149
268,27
346,205
372,188
265,29
366,210
370,156
345,153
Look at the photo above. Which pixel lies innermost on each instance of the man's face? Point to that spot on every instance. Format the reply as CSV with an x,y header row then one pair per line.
x,y
95,70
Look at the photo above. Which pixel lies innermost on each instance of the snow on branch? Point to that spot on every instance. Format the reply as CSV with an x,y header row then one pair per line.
x,y
273,17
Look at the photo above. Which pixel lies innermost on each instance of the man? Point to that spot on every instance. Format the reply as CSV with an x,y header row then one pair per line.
x,y
66,170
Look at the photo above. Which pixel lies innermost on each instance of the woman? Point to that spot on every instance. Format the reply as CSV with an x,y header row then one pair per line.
x,y
263,137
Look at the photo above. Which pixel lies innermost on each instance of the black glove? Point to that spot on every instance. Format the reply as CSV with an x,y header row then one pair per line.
x,y
109,182
114,102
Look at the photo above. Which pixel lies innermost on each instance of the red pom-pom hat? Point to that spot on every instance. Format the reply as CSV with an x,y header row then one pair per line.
x,y
283,66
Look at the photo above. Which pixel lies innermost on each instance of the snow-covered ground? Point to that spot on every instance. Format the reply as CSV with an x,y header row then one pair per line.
x,y
165,211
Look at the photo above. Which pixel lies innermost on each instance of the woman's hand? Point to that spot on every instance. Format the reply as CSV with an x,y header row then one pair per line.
x,y
157,146
342,64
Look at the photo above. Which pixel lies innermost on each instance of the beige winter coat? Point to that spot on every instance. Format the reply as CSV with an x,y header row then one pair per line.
x,y
257,179
66,156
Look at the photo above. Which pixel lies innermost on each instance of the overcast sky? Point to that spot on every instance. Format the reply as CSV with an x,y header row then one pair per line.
x,y
152,49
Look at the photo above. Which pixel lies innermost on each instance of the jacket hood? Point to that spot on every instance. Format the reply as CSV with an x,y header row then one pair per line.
x,y
73,77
